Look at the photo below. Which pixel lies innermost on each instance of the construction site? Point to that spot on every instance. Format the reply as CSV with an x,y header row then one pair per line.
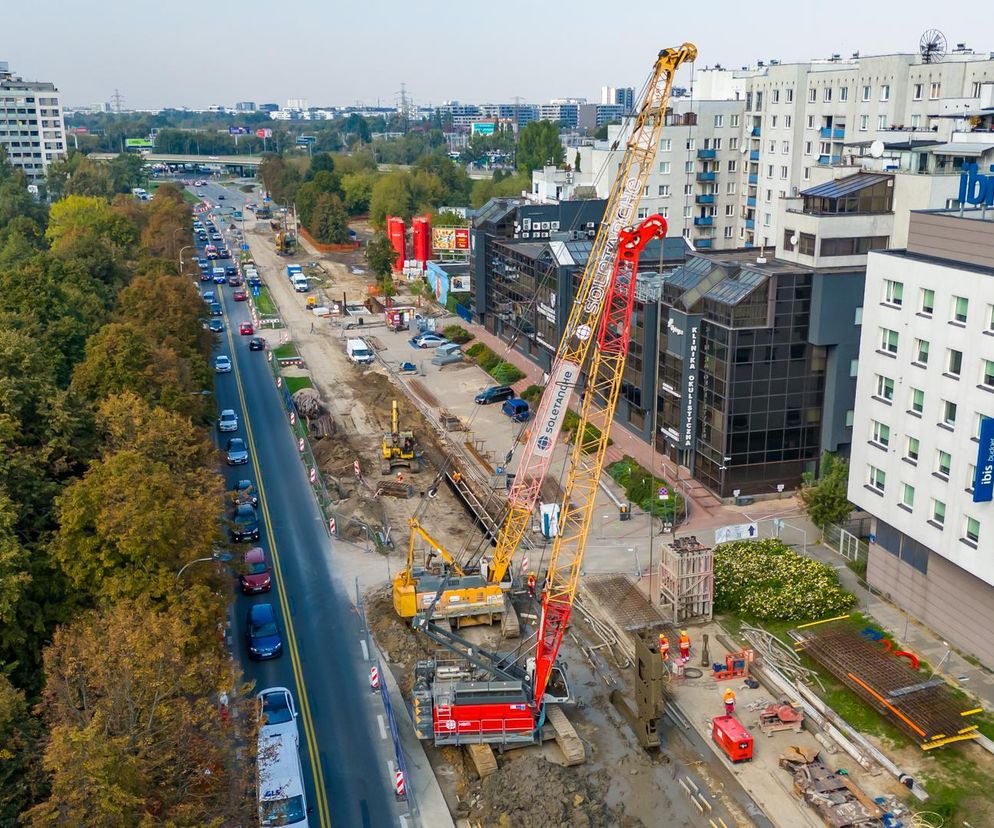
x,y
550,677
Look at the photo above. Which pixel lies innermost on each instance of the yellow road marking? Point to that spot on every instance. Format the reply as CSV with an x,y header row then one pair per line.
x,y
305,708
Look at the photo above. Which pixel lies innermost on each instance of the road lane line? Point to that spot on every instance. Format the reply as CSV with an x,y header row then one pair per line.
x,y
365,649
383,729
312,749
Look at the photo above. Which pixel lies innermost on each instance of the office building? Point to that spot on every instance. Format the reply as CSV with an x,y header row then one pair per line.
x,y
564,111
922,460
623,96
32,130
594,116
245,106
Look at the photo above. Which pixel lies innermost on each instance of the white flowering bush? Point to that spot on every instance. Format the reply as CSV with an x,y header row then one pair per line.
x,y
769,581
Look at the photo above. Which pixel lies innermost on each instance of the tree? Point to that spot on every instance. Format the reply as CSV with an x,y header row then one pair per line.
x,y
825,499
127,172
538,146
330,221
381,256
21,778
486,189
357,189
131,522
391,196
322,162
131,700
170,308
77,216
576,161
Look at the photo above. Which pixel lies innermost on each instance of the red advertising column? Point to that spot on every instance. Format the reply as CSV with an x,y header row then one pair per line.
x,y
397,232
421,226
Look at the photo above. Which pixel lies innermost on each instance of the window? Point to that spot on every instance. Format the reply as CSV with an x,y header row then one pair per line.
x,y
769,171
911,449
729,210
933,91
850,417
806,245
775,96
960,306
943,462
688,189
972,530
885,388
916,121
864,123
888,340
921,352
867,91
826,94
790,95
938,512
719,120
664,167
853,245
916,92
788,234
806,174
853,367
990,318
975,90
733,165
785,147
643,212
728,232
988,378
646,191
917,400
787,121
971,473
807,148
665,144
844,93
954,362
927,301
881,122
881,433
733,143
773,146
893,292
773,121
767,218
812,95
876,479
885,92
717,143
664,190
908,496
784,171
948,413
690,144
688,167
730,188
811,121
735,121
687,210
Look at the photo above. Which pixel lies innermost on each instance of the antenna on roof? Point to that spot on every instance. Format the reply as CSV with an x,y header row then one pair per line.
x,y
932,46
876,149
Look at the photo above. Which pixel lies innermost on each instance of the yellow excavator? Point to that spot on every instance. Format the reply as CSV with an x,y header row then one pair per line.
x,y
468,597
400,449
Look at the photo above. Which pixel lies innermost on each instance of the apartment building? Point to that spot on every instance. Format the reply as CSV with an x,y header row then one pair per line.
x,y
922,461
32,130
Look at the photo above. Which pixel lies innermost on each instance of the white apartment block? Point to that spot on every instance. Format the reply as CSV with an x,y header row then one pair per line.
x,y
795,125
32,130
925,382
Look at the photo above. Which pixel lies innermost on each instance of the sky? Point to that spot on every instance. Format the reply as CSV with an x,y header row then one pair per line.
x,y
196,54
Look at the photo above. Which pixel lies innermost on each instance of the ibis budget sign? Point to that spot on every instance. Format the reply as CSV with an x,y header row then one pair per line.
x,y
974,188
983,481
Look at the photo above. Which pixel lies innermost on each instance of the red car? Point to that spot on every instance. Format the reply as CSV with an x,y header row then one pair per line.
x,y
246,329
255,576
239,296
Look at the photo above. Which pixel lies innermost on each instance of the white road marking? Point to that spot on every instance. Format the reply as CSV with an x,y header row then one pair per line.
x,y
383,729
403,821
365,649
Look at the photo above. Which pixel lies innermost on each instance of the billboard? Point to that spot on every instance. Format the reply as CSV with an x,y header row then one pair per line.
x,y
484,128
237,131
139,143
983,480
450,238
264,133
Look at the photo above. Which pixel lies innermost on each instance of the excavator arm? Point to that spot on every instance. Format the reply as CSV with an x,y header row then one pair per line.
x,y
588,307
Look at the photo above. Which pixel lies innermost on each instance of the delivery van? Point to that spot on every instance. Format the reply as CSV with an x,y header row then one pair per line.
x,y
359,352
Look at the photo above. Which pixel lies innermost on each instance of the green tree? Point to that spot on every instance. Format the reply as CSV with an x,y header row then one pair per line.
x,y
391,196
825,499
330,220
576,161
170,308
126,172
485,189
381,256
78,215
357,189
539,145
322,162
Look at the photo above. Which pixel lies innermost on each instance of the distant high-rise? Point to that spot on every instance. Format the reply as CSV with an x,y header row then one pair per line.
x,y
32,130
623,96
268,107
245,106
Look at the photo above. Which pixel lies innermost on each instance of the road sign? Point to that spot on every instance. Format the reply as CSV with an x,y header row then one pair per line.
x,y
663,493
398,784
737,531
300,444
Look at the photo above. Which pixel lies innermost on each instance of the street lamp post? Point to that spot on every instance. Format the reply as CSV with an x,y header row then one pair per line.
x,y
723,468
217,556
184,247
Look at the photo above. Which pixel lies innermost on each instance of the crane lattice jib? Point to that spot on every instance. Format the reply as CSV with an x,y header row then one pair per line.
x,y
588,306
600,399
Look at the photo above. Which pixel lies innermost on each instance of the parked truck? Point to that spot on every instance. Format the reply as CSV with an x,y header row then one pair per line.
x,y
359,352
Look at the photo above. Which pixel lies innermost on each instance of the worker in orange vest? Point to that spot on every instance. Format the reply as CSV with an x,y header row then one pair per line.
x,y
684,646
664,647
729,699
531,584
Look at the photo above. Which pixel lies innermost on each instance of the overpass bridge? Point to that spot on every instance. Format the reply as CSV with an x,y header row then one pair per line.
x,y
240,161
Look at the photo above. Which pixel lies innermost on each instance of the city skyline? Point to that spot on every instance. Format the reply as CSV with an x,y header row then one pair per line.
x,y
221,65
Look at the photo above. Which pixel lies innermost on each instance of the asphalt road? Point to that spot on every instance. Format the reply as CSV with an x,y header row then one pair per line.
x,y
322,662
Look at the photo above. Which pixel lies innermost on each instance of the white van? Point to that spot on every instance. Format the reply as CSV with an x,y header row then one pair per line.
x,y
300,283
359,352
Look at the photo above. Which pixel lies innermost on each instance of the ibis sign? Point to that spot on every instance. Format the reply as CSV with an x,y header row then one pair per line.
x,y
983,480
975,188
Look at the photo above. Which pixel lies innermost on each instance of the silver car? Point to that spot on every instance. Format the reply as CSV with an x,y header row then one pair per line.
x,y
222,364
237,452
228,421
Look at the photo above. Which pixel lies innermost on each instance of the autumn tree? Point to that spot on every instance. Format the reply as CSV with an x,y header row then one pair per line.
x,y
170,309
84,215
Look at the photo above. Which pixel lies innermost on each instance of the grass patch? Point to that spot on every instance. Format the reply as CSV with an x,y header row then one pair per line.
x,y
858,567
286,350
642,487
532,394
265,304
294,384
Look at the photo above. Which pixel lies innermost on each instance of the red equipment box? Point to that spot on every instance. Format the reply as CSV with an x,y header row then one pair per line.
x,y
732,738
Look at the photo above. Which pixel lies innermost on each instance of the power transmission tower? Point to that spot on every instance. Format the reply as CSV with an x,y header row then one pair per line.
x,y
403,105
117,99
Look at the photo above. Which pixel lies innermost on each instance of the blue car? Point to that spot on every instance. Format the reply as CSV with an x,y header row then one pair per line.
x,y
262,632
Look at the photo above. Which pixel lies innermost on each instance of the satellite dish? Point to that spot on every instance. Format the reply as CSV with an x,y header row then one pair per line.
x,y
793,239
743,149
932,46
876,149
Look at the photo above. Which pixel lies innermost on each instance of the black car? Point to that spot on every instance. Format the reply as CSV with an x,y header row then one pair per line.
x,y
244,523
215,309
493,394
231,270
257,343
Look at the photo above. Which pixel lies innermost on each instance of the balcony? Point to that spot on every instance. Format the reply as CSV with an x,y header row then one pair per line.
x,y
703,244
750,224
833,133
751,201
705,154
705,176
753,178
703,221
753,155
829,159
755,132
704,199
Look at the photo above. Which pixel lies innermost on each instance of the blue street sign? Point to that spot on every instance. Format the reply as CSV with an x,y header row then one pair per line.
x,y
245,247
255,291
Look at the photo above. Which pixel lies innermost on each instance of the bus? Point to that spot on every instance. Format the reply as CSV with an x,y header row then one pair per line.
x,y
281,782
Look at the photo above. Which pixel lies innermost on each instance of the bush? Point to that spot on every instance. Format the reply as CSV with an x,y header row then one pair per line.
x,y
453,299
489,360
473,351
768,581
506,374
642,487
532,395
571,422
457,334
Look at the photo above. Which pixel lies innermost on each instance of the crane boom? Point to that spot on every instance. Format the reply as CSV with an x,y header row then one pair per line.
x,y
589,448
588,308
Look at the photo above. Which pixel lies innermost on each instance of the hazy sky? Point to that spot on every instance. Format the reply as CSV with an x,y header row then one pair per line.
x,y
222,51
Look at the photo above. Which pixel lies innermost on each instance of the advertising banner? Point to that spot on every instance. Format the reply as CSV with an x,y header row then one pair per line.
x,y
450,238
237,131
737,531
983,481
139,143
264,133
